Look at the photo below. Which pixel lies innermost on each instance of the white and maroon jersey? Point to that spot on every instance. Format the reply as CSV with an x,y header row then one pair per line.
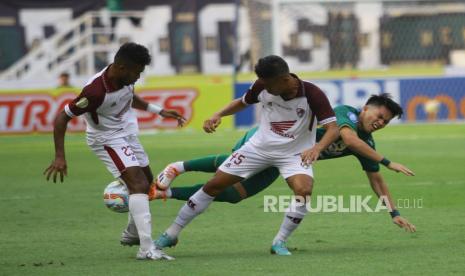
x,y
288,126
107,111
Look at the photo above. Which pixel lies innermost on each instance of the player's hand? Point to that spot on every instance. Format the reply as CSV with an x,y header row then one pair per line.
x,y
174,115
211,124
310,156
404,223
400,168
58,166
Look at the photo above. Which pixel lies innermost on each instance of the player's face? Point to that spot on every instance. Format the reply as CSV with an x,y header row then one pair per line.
x,y
374,118
129,74
277,86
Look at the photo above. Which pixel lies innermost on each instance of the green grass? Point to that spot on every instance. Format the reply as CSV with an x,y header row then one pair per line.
x,y
64,229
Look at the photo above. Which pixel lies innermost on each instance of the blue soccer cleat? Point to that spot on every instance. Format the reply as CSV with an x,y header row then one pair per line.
x,y
279,248
165,241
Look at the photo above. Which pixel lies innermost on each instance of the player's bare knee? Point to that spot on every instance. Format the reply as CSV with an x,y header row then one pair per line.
x,y
303,190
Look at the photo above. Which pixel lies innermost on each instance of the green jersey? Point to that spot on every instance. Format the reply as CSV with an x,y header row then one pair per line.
x,y
346,116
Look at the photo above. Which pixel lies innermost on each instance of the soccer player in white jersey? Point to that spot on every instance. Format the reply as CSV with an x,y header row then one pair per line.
x,y
285,139
107,103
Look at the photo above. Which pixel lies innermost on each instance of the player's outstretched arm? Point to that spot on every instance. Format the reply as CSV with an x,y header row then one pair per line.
x,y
380,187
214,121
139,103
58,165
397,167
357,145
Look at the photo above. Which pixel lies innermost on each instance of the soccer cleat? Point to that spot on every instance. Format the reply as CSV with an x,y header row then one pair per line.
x,y
153,254
167,176
279,248
128,239
156,193
165,241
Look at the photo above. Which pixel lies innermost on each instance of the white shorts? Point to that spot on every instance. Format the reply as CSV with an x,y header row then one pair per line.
x,y
121,153
247,161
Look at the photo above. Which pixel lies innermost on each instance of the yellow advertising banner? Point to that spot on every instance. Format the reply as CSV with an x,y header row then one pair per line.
x,y
29,111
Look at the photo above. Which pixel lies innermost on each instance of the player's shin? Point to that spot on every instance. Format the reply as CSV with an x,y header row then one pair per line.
x,y
140,211
292,218
193,207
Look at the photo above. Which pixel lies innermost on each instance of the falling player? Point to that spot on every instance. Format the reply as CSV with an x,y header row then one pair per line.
x,y
355,140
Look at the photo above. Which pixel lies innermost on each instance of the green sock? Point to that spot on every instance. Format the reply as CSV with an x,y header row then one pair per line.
x,y
260,181
205,164
184,193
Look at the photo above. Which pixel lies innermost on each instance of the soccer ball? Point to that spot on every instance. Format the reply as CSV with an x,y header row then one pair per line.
x,y
116,197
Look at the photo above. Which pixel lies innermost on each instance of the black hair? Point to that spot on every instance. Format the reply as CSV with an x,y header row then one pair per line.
x,y
131,53
386,100
271,66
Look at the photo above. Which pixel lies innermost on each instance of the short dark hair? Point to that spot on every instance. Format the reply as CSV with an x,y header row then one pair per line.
x,y
132,53
271,66
386,100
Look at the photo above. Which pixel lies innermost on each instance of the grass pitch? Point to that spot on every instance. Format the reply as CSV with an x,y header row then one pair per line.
x,y
64,229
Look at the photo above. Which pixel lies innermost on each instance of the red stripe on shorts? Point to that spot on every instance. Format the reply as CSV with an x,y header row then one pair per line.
x,y
114,156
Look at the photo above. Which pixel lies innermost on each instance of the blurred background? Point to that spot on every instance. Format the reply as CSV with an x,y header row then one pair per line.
x,y
204,51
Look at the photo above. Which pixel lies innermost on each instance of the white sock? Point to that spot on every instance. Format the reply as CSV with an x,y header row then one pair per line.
x,y
179,166
291,221
140,211
168,193
196,204
131,229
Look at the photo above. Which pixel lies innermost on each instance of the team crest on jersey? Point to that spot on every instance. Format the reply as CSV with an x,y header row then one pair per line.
x,y
352,117
82,103
280,128
300,112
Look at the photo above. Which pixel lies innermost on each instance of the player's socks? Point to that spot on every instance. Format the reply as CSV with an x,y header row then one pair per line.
x,y
193,207
230,194
184,193
131,229
291,221
140,211
260,181
205,164
179,166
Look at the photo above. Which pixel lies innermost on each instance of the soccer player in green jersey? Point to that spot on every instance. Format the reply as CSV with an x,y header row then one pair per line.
x,y
355,139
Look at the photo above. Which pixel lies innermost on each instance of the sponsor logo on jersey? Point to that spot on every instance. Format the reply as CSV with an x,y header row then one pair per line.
x,y
300,112
280,128
82,103
352,117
